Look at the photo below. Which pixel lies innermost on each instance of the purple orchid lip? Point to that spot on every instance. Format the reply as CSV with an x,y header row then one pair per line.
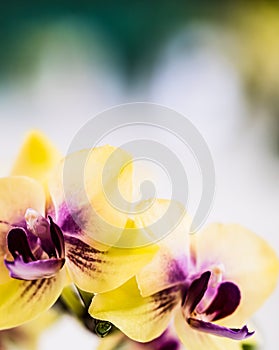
x,y
34,270
224,303
40,260
211,328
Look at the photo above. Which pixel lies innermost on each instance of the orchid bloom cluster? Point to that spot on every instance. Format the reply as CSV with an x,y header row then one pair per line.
x,y
194,291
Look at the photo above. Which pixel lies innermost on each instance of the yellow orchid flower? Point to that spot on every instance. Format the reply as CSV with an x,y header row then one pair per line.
x,y
209,290
41,245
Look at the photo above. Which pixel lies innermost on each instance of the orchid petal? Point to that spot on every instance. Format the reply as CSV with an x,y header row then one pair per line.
x,y
17,194
22,301
141,319
86,190
170,264
193,339
36,158
4,273
98,271
246,258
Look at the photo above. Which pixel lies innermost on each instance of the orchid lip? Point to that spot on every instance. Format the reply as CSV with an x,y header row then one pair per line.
x,y
224,303
40,260
214,329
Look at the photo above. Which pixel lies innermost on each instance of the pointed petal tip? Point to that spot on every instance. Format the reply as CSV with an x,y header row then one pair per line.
x,y
37,156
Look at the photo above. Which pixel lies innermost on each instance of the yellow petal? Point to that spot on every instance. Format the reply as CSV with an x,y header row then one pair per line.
x,y
95,188
22,301
141,319
196,340
4,273
158,218
98,271
36,158
247,260
17,194
170,264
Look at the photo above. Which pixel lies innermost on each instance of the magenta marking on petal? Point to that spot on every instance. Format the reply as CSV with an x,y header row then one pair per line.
x,y
18,244
177,270
67,221
196,291
211,328
225,302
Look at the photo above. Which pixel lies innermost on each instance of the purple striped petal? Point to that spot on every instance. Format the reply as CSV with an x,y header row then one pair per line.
x,y
196,291
225,302
34,270
97,270
231,333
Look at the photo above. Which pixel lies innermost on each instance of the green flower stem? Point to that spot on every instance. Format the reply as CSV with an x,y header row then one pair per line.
x,y
85,297
72,301
77,302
